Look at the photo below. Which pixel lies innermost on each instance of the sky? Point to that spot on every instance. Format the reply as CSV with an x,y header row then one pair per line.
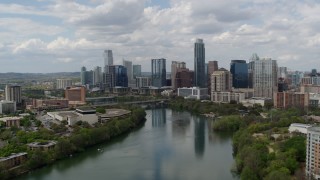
x,y
42,36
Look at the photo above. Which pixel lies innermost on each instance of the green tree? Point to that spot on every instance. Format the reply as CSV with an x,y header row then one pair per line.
x,y
248,174
101,110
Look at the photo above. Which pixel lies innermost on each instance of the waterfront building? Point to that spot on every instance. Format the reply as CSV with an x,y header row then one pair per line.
x,y
63,83
13,93
193,93
199,64
285,100
7,107
42,146
136,70
13,160
158,72
239,71
313,153
108,57
76,95
265,80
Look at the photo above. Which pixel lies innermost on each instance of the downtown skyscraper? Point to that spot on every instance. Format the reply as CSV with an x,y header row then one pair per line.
x,y
158,71
108,58
199,64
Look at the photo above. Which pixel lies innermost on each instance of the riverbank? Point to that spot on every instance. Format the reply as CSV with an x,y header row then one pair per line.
x,y
82,137
262,147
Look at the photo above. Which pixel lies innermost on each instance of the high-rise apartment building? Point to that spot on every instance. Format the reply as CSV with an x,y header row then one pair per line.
x,y
221,81
239,71
212,66
158,72
136,70
13,93
199,64
313,153
63,83
97,75
175,65
128,65
83,74
108,57
265,80
285,100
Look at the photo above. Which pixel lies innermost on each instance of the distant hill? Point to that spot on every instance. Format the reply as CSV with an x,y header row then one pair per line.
x,y
13,77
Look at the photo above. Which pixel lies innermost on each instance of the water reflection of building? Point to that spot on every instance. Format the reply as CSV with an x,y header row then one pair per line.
x,y
199,136
180,123
158,117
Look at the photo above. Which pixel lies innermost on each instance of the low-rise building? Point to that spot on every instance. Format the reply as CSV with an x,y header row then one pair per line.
x,y
7,107
193,93
81,114
13,160
227,97
11,121
46,104
256,100
314,100
43,146
290,99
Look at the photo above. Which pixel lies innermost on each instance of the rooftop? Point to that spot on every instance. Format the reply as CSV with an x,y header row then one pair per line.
x,y
42,144
315,129
12,156
10,118
110,113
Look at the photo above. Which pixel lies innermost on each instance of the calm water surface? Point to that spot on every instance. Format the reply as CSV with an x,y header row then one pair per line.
x,y
171,145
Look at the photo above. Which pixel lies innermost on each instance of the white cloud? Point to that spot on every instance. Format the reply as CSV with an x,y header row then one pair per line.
x,y
285,30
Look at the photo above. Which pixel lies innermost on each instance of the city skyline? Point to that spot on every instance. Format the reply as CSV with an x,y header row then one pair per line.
x,y
63,36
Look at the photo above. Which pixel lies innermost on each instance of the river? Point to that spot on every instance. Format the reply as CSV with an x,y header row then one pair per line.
x,y
171,145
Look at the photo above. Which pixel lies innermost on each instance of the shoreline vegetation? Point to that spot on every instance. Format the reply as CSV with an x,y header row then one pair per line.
x,y
83,136
262,146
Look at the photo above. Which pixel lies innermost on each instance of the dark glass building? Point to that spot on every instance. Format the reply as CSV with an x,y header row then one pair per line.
x,y
158,71
121,76
239,71
199,64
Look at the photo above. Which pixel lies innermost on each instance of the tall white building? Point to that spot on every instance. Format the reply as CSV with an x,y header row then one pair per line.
x,y
13,93
97,75
265,80
128,65
108,57
63,83
313,152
